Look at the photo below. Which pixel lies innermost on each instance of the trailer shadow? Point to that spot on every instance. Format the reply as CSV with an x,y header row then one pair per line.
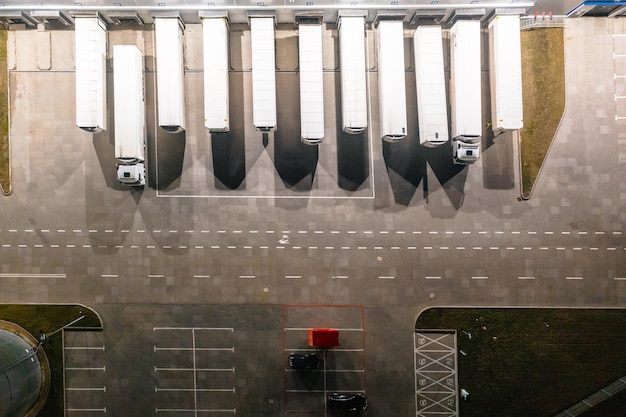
x,y
406,168
451,176
498,161
169,157
229,159
352,150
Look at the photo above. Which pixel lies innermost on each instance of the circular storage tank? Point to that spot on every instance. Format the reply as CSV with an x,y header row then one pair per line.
x,y
20,375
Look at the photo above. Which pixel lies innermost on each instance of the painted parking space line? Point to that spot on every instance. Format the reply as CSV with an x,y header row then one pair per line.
x,y
196,410
87,410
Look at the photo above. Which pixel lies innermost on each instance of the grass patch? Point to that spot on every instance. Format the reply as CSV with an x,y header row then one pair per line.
x,y
533,362
5,176
35,317
543,80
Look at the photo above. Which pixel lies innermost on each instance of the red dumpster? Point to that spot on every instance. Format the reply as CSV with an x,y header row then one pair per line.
x,y
323,338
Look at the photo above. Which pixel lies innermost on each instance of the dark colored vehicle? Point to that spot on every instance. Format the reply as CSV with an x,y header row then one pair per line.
x,y
303,361
350,402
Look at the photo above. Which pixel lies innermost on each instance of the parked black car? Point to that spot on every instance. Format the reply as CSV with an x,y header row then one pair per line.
x,y
303,361
347,401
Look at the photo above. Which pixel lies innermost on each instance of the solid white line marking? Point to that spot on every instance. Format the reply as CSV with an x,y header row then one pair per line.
x,y
204,410
85,348
10,275
89,410
157,389
228,329
156,369
103,389
347,329
103,369
179,349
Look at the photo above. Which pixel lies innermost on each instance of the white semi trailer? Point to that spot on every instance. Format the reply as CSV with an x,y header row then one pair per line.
x,y
129,113
465,91
352,69
170,73
505,73
391,82
90,51
263,73
216,96
311,82
432,110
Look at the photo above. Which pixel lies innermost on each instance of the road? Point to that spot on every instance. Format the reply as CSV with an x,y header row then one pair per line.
x,y
233,232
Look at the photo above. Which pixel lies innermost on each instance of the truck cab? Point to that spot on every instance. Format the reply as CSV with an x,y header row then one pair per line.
x,y
132,175
465,149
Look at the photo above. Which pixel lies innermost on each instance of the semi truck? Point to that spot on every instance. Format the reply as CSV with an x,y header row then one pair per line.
x,y
311,81
263,73
352,70
170,73
129,113
505,73
216,95
432,108
465,91
391,82
90,51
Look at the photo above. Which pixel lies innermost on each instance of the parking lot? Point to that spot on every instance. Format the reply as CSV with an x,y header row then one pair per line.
x,y
195,370
85,374
342,368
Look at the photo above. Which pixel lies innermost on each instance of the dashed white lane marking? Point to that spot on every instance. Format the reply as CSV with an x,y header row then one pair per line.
x,y
480,278
202,276
620,278
339,277
109,276
247,276
386,277
526,278
574,278
432,277
293,276
156,276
